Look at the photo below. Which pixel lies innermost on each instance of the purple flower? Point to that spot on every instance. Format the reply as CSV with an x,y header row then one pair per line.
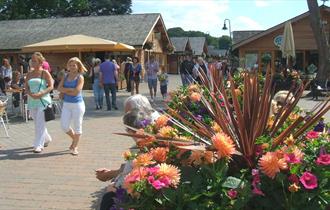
x,y
199,117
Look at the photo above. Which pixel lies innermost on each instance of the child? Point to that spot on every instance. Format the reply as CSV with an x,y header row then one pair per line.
x,y
163,80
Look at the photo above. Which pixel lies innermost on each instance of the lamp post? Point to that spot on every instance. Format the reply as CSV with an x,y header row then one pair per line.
x,y
225,27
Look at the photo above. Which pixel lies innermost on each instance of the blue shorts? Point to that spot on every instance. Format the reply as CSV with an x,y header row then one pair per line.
x,y
152,83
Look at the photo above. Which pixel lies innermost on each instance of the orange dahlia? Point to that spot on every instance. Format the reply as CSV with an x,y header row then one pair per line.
x,y
161,121
144,142
159,154
195,97
171,172
224,145
143,160
196,158
209,157
270,164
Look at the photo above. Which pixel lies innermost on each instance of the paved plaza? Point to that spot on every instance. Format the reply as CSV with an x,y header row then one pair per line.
x,y
55,179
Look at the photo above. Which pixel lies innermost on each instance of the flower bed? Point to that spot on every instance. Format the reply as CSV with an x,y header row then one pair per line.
x,y
218,147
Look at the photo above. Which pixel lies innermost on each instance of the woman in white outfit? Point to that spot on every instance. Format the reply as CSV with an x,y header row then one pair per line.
x,y
73,106
38,85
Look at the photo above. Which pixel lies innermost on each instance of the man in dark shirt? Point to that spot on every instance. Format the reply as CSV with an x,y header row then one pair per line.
x,y
108,78
186,70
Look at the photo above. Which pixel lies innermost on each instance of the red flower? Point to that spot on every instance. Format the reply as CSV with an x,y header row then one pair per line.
x,y
293,178
292,158
232,194
312,135
323,159
309,180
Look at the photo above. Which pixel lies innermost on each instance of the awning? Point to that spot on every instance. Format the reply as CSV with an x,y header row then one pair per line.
x,y
77,43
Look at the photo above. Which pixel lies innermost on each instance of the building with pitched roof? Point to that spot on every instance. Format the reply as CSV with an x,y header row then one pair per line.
x,y
253,45
145,32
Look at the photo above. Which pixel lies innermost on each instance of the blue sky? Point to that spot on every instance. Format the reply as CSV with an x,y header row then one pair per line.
x,y
208,15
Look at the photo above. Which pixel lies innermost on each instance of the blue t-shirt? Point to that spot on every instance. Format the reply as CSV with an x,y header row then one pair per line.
x,y
72,84
108,72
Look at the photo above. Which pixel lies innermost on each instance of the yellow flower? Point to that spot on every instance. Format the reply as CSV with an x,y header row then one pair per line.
x,y
127,155
293,116
290,141
193,88
224,145
293,188
216,127
143,160
270,121
168,132
171,172
270,164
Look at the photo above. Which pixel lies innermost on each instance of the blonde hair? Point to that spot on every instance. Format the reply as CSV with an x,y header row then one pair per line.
x,y
39,56
81,67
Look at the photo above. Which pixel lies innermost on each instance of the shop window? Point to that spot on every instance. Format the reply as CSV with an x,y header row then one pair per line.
x,y
251,60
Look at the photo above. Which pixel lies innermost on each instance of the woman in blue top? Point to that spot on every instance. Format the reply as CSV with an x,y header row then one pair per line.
x,y
38,85
73,106
135,70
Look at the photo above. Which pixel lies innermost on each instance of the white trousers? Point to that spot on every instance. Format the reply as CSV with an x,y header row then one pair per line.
x,y
72,112
41,133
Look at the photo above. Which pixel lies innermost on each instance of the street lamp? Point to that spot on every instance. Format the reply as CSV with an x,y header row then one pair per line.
x,y
225,27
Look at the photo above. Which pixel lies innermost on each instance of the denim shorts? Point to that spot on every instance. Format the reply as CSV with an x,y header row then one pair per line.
x,y
152,83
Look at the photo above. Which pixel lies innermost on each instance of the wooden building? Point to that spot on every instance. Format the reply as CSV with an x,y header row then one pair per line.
x,y
181,47
145,32
253,45
195,46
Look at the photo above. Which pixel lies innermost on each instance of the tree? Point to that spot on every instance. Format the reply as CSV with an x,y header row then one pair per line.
x,y
224,42
23,9
179,32
320,39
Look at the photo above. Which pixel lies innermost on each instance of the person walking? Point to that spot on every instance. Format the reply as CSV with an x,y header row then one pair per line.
x,y
152,68
6,75
134,75
186,70
200,66
73,106
163,80
38,85
127,66
98,91
108,78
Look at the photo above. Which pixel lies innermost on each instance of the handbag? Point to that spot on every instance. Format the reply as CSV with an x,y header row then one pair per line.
x,y
49,108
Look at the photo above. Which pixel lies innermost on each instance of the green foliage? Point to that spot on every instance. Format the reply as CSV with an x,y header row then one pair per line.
x,y
224,42
179,32
21,9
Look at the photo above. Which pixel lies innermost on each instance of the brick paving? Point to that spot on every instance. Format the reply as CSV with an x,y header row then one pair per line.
x,y
55,179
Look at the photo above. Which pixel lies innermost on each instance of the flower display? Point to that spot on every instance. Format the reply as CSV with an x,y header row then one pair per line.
x,y
217,147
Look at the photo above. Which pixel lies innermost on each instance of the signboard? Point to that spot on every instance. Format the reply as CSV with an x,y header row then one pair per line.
x,y
278,40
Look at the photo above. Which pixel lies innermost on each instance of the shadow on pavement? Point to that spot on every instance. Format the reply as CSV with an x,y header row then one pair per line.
x,y
98,198
27,153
